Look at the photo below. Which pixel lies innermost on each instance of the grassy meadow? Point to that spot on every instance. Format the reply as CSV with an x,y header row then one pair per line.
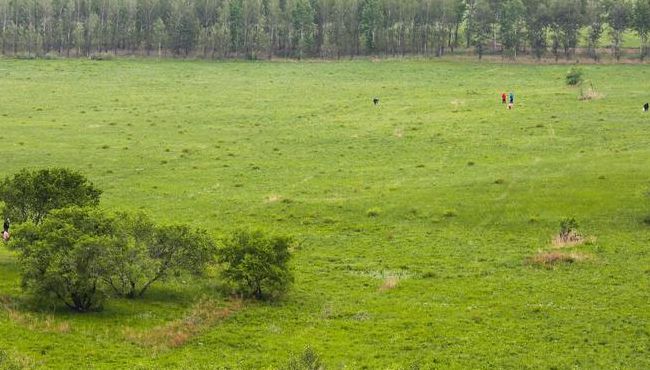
x,y
417,218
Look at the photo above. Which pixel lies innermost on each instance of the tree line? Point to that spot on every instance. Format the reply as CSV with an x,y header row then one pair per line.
x,y
319,28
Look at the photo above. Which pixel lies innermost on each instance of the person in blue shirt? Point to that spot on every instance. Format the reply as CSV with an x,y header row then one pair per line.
x,y
512,98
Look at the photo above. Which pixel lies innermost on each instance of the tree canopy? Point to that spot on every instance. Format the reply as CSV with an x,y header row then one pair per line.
x,y
313,28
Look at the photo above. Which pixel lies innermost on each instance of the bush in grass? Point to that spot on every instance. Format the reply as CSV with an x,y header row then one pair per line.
x,y
568,226
30,195
145,253
307,360
257,264
64,257
569,235
373,212
574,76
646,220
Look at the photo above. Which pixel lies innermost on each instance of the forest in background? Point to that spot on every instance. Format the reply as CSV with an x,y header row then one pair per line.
x,y
263,29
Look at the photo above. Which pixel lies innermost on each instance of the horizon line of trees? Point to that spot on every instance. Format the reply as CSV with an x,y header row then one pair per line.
x,y
319,28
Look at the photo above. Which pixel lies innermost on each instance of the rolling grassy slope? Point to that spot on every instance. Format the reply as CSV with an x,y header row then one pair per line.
x,y
416,217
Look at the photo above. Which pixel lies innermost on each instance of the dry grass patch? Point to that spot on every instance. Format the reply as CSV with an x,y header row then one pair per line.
x,y
34,322
273,198
204,315
553,258
390,282
590,94
568,239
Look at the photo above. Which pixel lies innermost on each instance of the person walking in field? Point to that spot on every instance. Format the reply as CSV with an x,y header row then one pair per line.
x,y
646,106
512,98
503,98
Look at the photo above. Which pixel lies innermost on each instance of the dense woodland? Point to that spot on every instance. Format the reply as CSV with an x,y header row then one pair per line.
x,y
320,28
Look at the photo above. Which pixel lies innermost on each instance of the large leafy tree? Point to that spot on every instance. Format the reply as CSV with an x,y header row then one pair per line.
x,y
511,25
64,258
144,253
30,195
618,17
537,20
641,24
483,17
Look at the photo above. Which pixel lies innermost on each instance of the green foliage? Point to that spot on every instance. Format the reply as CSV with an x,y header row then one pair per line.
x,y
30,195
77,255
373,212
511,25
64,257
256,263
574,76
568,226
641,23
8,362
371,20
144,253
311,28
131,266
309,359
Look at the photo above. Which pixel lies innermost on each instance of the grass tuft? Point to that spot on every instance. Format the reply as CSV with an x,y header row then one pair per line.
x,y
389,283
554,258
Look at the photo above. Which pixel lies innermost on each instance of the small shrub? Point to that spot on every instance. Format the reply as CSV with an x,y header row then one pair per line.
x,y
373,212
567,226
307,360
450,213
26,56
101,56
569,234
257,264
52,55
574,76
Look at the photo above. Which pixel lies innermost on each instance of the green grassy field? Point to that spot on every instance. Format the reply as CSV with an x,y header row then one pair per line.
x,y
417,217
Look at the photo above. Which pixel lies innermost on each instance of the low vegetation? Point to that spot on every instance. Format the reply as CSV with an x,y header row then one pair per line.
x,y
574,77
553,258
257,264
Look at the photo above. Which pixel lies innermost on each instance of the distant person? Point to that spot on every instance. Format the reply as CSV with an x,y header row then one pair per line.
x,y
5,226
375,101
646,106
512,98
503,98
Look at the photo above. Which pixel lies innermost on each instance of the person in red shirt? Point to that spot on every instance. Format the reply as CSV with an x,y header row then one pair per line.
x,y
503,98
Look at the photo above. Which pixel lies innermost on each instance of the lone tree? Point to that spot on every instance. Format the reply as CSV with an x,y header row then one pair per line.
x,y
145,253
256,263
30,195
64,257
